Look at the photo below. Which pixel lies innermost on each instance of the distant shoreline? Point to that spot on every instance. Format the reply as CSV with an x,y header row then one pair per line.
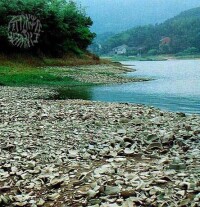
x,y
151,58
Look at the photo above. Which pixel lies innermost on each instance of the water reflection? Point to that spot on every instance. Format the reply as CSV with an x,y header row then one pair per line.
x,y
77,92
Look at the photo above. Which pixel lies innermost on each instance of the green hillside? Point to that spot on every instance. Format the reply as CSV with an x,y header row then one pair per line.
x,y
180,34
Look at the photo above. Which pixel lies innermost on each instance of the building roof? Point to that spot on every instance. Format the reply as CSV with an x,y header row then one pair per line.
x,y
120,47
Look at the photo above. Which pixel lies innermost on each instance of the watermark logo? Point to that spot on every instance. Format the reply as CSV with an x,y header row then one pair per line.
x,y
24,30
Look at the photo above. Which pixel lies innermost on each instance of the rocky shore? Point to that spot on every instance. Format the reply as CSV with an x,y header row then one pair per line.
x,y
80,153
96,74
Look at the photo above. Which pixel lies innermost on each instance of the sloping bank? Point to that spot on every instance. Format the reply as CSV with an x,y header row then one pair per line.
x,y
54,72
81,153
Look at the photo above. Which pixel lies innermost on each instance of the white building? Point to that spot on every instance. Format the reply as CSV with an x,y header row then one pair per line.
x,y
120,50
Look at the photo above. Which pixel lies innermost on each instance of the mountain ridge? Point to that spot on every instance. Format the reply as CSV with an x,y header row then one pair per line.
x,y
183,31
119,15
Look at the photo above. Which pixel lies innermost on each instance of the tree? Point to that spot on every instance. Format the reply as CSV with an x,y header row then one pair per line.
x,y
65,26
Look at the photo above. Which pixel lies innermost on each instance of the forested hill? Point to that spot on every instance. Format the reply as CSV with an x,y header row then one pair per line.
x,y
180,34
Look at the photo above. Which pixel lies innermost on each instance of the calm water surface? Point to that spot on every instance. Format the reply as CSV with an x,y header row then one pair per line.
x,y
176,86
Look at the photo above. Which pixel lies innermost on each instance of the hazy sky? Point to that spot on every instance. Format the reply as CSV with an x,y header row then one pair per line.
x,y
118,15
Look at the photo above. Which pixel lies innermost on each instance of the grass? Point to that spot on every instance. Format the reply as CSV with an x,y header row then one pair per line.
x,y
24,70
10,76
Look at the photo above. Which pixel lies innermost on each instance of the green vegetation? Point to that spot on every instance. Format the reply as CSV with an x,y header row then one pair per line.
x,y
63,41
180,35
136,58
184,56
25,70
188,51
20,70
147,57
65,26
27,76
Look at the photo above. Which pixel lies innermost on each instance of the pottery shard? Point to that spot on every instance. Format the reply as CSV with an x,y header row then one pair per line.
x,y
73,153
112,190
154,146
124,120
137,121
128,151
128,193
92,193
56,182
121,131
53,196
152,138
41,202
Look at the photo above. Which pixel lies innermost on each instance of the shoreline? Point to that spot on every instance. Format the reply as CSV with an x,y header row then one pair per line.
x,y
95,154
84,153
152,58
64,76
102,74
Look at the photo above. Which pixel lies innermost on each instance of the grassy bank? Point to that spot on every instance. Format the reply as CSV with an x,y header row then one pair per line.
x,y
14,76
21,70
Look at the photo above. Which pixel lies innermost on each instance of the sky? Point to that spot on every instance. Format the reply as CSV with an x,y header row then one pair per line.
x,y
119,15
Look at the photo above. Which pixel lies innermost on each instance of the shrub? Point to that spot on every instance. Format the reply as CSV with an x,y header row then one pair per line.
x,y
191,51
188,51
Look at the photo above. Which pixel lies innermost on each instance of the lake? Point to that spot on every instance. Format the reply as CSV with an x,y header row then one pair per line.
x,y
176,86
